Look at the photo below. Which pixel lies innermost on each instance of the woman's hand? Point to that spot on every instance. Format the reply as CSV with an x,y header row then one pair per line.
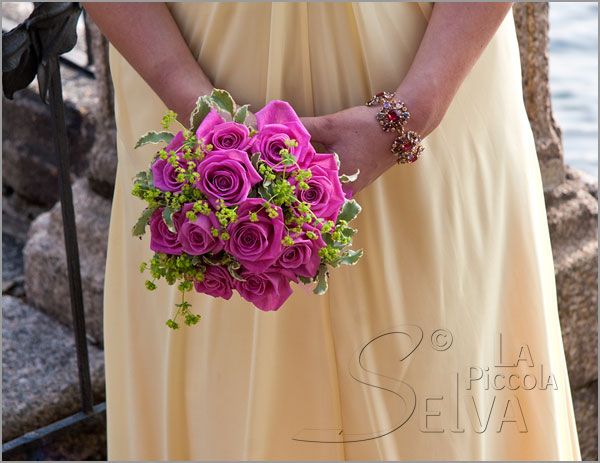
x,y
357,138
456,35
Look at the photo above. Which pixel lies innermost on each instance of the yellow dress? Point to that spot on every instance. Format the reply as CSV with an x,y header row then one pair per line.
x,y
442,343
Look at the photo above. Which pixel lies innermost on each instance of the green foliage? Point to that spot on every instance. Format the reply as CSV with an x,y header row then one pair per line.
x,y
140,226
279,190
171,324
203,105
241,114
337,160
223,100
233,268
349,257
305,280
349,211
168,118
254,159
167,215
154,137
322,275
346,178
337,238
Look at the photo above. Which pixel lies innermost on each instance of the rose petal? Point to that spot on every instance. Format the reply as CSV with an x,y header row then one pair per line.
x,y
276,112
210,121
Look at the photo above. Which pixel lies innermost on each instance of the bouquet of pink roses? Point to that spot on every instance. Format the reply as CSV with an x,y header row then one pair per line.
x,y
234,208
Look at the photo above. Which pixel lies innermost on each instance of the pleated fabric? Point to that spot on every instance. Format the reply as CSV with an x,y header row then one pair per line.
x,y
443,342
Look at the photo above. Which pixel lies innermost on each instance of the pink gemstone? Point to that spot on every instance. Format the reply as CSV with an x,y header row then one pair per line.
x,y
393,115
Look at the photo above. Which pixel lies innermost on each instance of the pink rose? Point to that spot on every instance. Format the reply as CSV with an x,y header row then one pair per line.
x,y
267,290
227,175
302,257
277,122
196,237
207,125
324,194
229,136
163,173
223,135
161,238
217,282
256,245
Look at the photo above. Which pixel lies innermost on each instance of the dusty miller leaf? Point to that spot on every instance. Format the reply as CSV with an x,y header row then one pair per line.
x,y
337,160
240,115
263,192
349,211
305,280
321,287
328,238
167,215
254,160
140,226
346,178
210,260
232,267
201,110
348,232
154,137
223,100
349,257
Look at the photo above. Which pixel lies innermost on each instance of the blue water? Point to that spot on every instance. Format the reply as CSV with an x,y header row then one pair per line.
x,y
574,80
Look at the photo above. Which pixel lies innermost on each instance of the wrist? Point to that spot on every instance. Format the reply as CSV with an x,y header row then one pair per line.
x,y
392,116
380,139
425,108
371,127
180,88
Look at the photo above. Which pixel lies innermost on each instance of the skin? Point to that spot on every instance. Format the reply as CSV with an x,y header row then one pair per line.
x,y
456,35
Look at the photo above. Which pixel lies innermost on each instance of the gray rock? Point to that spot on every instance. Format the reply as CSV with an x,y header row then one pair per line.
x,y
12,259
17,214
40,382
577,280
46,279
585,402
531,22
103,159
29,159
572,206
573,221
103,166
572,213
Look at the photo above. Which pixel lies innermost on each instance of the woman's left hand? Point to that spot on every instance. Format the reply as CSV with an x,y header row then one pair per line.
x,y
456,35
359,141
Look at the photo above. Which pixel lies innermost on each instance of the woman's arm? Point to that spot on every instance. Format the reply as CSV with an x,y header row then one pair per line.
x,y
148,38
456,35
